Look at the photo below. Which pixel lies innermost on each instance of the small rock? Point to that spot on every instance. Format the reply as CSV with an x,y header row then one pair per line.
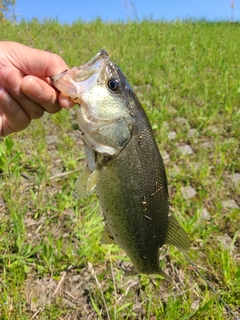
x,y
213,129
225,241
68,303
236,179
186,149
51,139
53,153
206,145
172,135
165,156
188,192
181,121
195,305
2,203
172,110
165,124
192,133
26,175
230,204
26,178
55,172
75,135
205,214
175,170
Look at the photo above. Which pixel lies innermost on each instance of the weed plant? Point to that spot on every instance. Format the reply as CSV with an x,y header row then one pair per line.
x,y
52,265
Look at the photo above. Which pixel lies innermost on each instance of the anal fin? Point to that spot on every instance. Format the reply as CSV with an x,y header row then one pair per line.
x,y
107,237
176,235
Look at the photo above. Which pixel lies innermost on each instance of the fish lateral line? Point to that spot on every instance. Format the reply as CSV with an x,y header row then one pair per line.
x,y
209,285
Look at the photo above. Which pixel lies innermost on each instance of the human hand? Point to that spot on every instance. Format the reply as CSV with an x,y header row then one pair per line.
x,y
25,86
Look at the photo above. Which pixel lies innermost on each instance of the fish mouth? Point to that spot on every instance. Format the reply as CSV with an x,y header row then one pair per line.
x,y
101,55
73,82
58,76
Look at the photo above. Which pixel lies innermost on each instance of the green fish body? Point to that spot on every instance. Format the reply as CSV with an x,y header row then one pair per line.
x,y
125,167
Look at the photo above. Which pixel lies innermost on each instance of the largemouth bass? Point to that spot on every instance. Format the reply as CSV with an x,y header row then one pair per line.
x,y
124,165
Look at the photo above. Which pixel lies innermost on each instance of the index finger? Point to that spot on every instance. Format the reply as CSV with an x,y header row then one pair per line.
x,y
33,61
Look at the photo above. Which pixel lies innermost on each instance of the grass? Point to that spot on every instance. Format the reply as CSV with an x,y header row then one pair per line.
x,y
52,265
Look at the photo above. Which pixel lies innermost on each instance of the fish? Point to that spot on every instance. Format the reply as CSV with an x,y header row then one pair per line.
x,y
124,165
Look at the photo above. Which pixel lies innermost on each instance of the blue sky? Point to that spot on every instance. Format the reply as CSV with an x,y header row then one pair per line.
x,y
68,11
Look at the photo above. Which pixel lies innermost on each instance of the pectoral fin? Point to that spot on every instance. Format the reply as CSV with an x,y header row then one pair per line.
x,y
87,182
176,235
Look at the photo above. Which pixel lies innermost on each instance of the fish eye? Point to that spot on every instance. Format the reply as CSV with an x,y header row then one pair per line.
x,y
113,84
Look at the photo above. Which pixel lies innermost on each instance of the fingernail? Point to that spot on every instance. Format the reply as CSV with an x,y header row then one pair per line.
x,y
66,103
5,97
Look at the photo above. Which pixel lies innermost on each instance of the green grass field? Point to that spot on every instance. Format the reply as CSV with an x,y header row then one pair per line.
x,y
52,265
